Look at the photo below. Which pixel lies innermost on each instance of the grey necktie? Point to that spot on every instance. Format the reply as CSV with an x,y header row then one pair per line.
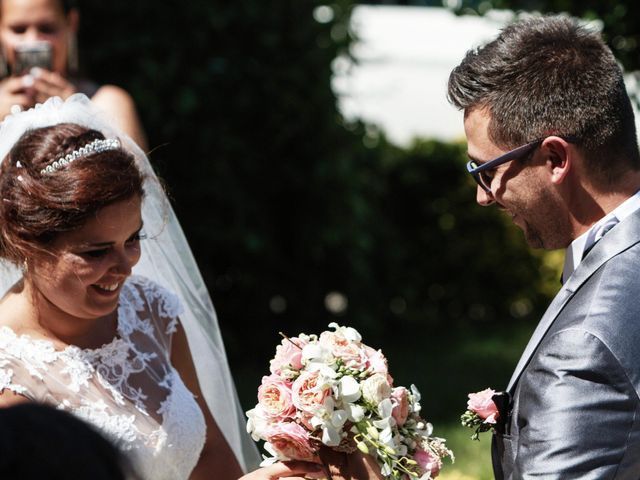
x,y
600,232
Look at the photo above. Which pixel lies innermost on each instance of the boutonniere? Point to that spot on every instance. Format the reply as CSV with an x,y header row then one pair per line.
x,y
482,412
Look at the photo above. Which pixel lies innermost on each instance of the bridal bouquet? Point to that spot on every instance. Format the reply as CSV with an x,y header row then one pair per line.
x,y
336,391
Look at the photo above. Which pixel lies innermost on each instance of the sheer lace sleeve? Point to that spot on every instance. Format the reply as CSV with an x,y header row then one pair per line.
x,y
13,371
157,310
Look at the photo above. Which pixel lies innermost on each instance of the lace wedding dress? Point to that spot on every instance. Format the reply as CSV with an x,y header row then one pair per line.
x,y
127,388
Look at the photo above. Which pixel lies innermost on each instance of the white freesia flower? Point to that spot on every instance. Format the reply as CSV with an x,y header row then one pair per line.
x,y
382,424
429,430
385,409
329,404
316,421
331,436
386,437
356,412
376,388
348,332
327,371
414,403
315,353
266,461
349,389
416,393
338,418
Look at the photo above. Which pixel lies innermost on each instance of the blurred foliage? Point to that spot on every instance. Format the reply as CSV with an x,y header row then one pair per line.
x,y
284,202
621,28
409,3
473,458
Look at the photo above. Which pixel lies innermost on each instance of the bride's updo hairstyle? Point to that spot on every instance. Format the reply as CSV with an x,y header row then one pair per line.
x,y
36,205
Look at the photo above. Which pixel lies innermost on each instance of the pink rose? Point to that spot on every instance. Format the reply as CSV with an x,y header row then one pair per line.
x,y
275,397
306,394
481,404
348,351
288,357
291,441
377,362
428,462
400,400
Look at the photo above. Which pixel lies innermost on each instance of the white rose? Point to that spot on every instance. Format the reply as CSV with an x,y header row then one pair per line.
x,y
257,423
376,388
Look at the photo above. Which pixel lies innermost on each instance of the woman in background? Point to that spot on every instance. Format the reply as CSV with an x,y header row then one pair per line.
x,y
52,25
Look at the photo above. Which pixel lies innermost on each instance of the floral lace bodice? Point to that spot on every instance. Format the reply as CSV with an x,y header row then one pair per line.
x,y
127,388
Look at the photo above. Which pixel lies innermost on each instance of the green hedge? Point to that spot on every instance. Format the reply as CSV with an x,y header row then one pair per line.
x,y
283,202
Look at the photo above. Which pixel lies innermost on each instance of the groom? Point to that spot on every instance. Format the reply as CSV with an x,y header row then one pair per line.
x,y
552,142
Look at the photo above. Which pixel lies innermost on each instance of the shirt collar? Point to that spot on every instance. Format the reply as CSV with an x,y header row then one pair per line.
x,y
576,250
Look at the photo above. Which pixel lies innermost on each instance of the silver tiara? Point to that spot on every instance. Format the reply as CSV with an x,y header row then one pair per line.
x,y
96,146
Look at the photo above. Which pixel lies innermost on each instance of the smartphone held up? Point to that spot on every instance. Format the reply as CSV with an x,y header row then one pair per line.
x,y
28,56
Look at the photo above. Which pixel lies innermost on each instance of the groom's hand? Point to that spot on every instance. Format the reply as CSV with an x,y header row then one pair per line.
x,y
355,466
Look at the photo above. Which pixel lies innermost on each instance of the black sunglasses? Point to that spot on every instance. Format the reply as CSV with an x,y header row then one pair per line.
x,y
477,170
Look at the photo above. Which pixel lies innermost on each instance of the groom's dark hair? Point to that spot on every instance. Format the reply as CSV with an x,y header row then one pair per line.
x,y
550,75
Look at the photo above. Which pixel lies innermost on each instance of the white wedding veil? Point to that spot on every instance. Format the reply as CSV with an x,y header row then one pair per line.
x,y
166,258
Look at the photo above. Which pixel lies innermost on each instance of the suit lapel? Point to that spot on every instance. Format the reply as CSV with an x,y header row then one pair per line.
x,y
622,237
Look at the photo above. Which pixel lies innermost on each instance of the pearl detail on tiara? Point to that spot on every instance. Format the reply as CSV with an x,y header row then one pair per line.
x,y
96,146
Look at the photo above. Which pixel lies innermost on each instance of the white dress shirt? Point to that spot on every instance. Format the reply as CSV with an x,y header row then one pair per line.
x,y
575,251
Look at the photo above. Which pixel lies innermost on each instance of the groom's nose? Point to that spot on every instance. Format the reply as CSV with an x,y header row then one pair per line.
x,y
483,197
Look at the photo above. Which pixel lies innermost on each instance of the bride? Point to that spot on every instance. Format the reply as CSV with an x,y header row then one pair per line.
x,y
104,312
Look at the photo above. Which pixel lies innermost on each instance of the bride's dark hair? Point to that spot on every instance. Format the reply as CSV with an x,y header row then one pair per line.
x,y
35,207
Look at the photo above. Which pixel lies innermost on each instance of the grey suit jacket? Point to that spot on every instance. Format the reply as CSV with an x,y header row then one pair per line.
x,y
575,410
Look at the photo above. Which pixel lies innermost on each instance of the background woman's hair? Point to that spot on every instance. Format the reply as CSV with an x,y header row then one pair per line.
x,y
36,207
40,442
67,5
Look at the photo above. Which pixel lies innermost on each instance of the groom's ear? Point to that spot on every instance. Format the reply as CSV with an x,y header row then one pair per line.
x,y
559,156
